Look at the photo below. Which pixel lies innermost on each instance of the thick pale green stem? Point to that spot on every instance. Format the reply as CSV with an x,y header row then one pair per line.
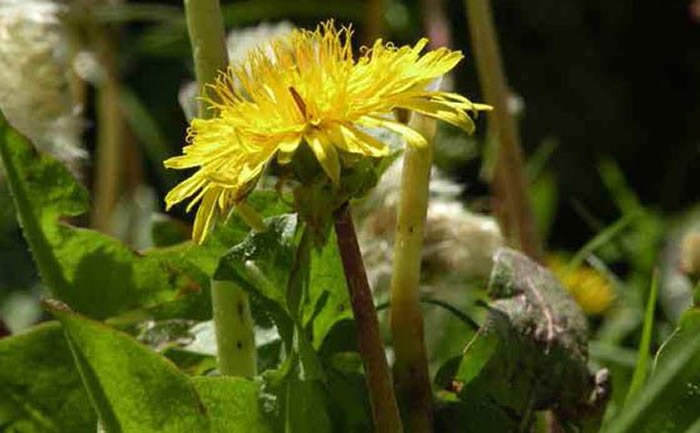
x,y
512,202
385,411
235,337
232,320
411,365
206,29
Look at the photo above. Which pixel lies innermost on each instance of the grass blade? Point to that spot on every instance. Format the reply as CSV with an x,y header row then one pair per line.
x,y
642,369
602,238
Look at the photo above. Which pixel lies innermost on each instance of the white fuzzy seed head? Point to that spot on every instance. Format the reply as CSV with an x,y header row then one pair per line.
x,y
35,86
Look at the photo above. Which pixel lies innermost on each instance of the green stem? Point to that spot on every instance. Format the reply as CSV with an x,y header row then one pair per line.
x,y
235,337
411,365
385,411
234,326
206,29
512,202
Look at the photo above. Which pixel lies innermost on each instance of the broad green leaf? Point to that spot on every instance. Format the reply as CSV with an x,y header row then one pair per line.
x,y
232,404
40,389
670,402
477,416
93,273
350,407
328,294
304,304
96,274
306,407
261,263
132,388
302,403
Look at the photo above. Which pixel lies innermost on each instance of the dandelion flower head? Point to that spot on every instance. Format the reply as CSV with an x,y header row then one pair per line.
x,y
308,89
590,288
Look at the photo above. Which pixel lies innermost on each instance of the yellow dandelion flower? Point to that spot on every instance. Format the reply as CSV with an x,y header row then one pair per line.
x,y
308,88
590,288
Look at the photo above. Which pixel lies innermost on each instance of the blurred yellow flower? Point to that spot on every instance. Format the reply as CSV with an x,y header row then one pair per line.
x,y
589,287
311,89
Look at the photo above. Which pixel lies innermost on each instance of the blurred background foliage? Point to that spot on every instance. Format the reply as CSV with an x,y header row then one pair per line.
x,y
606,94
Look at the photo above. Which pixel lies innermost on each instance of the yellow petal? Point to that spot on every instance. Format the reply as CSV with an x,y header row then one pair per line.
x,y
205,215
327,156
352,140
287,149
440,111
412,136
184,189
438,62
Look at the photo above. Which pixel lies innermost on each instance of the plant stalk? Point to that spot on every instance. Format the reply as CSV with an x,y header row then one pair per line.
x,y
385,411
512,205
206,29
232,320
110,137
411,365
235,337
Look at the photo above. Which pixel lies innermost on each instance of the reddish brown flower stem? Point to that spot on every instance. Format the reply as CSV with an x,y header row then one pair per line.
x,y
385,411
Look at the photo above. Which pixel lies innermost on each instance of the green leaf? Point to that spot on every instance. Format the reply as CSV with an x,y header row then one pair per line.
x,y
305,409
232,404
304,304
40,389
350,408
329,301
261,264
134,389
670,402
95,274
642,368
302,402
262,261
477,416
